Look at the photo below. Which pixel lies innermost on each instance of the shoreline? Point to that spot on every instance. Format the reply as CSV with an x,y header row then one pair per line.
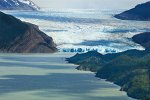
x,y
85,82
109,82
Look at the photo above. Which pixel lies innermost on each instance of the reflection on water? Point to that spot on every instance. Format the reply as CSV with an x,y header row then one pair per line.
x,y
49,77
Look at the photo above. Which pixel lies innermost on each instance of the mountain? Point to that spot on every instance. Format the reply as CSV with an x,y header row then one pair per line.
x,y
129,69
18,5
22,37
141,12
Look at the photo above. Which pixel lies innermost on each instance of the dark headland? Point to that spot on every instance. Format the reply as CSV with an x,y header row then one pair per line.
x,y
141,13
22,37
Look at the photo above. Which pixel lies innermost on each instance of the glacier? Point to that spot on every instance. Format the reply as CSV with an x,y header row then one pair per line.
x,y
82,30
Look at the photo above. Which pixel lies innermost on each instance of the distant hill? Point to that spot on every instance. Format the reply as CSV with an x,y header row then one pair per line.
x,y
21,37
18,5
143,39
141,12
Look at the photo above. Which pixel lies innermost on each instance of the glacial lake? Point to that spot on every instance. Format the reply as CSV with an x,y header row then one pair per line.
x,y
50,77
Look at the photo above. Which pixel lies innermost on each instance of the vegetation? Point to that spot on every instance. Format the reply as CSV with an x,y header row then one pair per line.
x,y
129,69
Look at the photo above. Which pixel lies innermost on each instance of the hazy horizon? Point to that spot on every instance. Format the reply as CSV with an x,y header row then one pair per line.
x,y
88,4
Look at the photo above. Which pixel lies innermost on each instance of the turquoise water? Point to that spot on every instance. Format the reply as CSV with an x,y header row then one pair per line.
x,y
49,77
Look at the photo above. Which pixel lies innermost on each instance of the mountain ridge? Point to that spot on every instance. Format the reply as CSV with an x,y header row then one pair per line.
x,y
18,5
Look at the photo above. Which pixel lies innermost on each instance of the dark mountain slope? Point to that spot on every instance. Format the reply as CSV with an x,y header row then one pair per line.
x,y
21,37
141,12
143,39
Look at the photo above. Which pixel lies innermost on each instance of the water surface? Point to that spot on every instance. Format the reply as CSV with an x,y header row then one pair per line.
x,y
49,77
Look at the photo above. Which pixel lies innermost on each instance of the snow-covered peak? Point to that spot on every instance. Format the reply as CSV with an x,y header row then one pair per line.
x,y
29,2
18,5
